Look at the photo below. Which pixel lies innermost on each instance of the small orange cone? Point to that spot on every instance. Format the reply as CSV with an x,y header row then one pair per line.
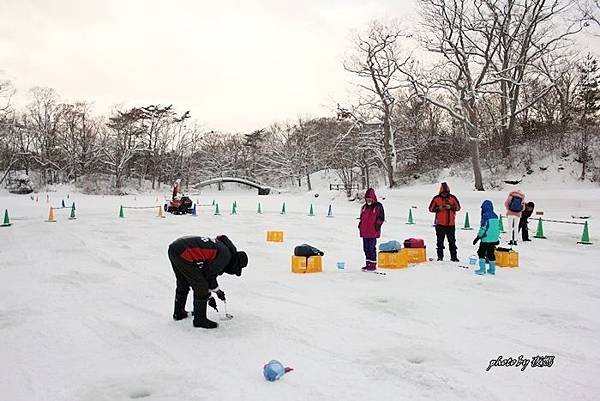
x,y
161,214
51,218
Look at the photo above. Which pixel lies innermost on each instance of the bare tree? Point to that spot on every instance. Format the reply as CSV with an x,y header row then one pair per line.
x,y
561,70
214,156
527,31
43,117
464,36
8,156
358,144
122,142
282,157
591,13
6,93
79,139
377,58
157,122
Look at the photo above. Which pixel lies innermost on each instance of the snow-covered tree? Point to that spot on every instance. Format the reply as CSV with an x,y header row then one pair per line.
x,y
376,59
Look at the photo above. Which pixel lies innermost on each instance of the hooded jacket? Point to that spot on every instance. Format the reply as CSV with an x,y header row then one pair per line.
x,y
213,257
489,228
509,200
371,217
444,205
526,212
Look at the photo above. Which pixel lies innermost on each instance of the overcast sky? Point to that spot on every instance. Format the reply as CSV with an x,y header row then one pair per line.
x,y
238,65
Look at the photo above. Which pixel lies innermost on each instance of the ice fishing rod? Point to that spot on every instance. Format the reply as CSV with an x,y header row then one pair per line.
x,y
562,221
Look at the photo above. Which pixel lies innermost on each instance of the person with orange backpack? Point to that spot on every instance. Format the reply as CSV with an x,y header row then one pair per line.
x,y
445,205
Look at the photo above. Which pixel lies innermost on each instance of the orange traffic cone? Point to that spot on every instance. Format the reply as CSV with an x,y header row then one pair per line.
x,y
51,218
161,214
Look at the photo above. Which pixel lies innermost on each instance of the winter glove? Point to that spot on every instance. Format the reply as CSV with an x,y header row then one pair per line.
x,y
220,294
448,207
476,240
212,303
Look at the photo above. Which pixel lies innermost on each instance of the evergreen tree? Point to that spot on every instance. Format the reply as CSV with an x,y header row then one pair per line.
x,y
588,105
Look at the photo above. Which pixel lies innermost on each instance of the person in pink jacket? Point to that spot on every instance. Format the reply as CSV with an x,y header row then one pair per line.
x,y
372,217
514,204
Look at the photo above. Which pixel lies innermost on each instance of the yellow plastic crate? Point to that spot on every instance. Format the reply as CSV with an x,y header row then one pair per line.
x,y
507,259
415,255
303,264
392,260
274,236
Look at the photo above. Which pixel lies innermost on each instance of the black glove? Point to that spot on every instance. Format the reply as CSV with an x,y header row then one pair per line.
x,y
476,240
220,295
212,303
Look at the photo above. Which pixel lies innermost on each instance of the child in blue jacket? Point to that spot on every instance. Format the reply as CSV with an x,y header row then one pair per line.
x,y
489,234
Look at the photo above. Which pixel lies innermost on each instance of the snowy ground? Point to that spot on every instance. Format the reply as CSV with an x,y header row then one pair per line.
x,y
85,311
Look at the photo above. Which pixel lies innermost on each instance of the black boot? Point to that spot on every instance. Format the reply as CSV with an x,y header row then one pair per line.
x,y
179,311
454,258
200,319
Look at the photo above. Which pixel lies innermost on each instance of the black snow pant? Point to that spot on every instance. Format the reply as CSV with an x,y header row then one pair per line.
x,y
442,232
188,275
487,250
523,226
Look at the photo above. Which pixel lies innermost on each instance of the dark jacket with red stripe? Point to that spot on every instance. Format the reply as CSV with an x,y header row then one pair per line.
x,y
444,205
211,256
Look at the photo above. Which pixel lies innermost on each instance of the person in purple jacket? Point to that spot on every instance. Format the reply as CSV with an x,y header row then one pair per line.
x,y
372,217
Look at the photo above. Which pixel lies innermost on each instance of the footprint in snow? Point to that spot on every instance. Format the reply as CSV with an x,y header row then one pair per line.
x,y
139,394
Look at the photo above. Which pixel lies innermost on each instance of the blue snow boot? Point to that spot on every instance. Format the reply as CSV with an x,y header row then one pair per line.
x,y
492,269
481,267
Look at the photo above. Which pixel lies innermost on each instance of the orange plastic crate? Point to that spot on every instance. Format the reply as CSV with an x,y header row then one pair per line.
x,y
274,236
303,264
392,260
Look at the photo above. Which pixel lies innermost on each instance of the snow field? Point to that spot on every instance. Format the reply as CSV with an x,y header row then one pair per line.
x,y
86,305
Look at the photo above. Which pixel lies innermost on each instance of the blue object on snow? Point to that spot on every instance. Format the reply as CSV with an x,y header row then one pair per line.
x,y
390,246
274,370
341,265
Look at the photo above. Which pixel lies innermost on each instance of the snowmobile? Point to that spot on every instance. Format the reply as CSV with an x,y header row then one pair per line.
x,y
184,205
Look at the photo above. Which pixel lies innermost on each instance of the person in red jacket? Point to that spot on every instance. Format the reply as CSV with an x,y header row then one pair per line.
x,y
445,205
176,188
372,217
196,262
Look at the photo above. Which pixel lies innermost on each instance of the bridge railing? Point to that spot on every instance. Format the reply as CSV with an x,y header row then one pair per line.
x,y
343,187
